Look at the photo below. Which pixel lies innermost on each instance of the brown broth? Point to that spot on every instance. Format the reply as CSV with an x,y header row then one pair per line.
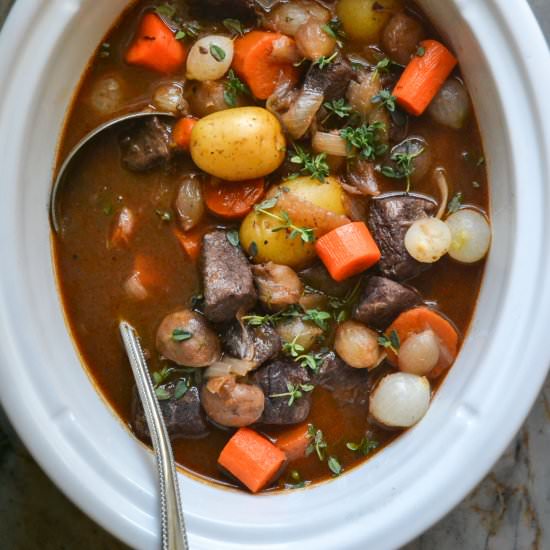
x,y
91,276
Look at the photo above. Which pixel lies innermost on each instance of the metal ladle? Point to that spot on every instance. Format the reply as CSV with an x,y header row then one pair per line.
x,y
174,536
63,171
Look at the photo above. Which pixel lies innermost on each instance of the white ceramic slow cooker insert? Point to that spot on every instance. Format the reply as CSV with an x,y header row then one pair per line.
x,y
84,448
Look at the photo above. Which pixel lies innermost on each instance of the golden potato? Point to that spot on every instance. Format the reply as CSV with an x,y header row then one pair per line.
x,y
238,144
278,246
365,19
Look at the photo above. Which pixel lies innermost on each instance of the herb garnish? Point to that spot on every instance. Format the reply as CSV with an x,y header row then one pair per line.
x,y
306,234
233,237
233,87
334,29
386,99
365,140
311,360
318,443
404,166
314,165
341,305
318,317
233,26
384,66
272,319
421,51
334,466
365,446
164,215
294,392
181,389
108,209
391,343
324,61
166,10
180,335
455,203
105,50
338,107
293,348
217,53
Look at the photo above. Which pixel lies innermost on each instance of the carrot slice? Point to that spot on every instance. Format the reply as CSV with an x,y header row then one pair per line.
x,y
418,320
424,76
146,269
182,132
123,229
252,459
254,63
155,47
190,241
347,250
294,442
233,199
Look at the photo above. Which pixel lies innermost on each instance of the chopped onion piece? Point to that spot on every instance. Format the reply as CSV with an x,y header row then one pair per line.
x,y
419,353
289,17
189,202
358,345
400,400
427,240
230,366
107,95
470,235
169,98
443,185
331,144
210,58
301,113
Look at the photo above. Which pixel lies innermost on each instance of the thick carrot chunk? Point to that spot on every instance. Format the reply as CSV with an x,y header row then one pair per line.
x,y
252,459
424,76
348,250
233,199
182,132
254,63
155,47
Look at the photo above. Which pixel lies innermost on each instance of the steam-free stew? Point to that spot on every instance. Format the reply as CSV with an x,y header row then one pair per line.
x,y
298,236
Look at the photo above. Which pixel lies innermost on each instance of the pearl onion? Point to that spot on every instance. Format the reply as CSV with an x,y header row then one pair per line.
x,y
400,400
419,353
470,235
203,63
427,240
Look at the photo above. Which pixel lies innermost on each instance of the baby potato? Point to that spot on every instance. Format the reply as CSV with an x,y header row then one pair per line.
x,y
238,144
365,19
278,246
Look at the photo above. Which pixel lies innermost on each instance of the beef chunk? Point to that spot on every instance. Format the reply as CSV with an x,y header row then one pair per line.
x,y
274,379
349,386
318,277
332,80
218,9
227,278
389,219
184,417
257,344
146,144
382,300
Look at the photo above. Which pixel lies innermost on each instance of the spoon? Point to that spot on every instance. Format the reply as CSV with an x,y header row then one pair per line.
x,y
174,536
61,175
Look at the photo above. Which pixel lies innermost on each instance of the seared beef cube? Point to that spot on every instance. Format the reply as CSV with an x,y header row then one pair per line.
x,y
274,379
227,278
146,144
349,386
184,417
382,300
389,219
318,277
257,344
332,80
218,9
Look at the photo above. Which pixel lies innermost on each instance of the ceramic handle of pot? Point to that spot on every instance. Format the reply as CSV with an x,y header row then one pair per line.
x,y
174,536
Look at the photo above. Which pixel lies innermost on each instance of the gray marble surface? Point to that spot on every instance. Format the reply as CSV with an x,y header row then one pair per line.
x,y
509,510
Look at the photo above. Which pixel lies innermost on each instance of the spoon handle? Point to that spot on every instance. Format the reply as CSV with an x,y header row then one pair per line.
x,y
174,536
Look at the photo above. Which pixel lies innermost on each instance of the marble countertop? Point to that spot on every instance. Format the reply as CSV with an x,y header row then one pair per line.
x,y
509,510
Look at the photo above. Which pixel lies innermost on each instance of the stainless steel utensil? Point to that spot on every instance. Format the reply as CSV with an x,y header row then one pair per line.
x,y
174,536
60,179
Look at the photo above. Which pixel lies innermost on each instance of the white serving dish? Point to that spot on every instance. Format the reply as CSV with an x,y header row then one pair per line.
x,y
84,448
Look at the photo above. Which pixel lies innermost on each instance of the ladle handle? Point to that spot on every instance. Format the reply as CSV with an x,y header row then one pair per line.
x,y
174,536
